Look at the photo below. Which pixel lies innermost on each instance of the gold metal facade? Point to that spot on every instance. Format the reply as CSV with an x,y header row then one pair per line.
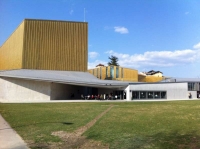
x,y
124,74
153,79
141,78
11,50
55,45
47,45
115,73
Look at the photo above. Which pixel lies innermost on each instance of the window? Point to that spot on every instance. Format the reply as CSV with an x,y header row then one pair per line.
x,y
117,72
156,95
150,95
111,71
191,86
135,95
163,95
143,95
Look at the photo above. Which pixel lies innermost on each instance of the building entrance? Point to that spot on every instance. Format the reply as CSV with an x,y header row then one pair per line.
x,y
120,94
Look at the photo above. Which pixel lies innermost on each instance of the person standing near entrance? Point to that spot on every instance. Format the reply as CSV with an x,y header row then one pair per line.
x,y
190,95
101,97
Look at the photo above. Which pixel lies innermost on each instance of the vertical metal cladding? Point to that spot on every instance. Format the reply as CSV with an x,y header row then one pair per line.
x,y
128,74
11,50
55,45
153,79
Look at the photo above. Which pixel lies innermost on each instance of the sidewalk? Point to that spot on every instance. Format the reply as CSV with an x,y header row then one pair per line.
x,y
9,139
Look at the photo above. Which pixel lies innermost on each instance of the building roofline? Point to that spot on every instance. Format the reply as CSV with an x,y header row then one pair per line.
x,y
64,77
28,19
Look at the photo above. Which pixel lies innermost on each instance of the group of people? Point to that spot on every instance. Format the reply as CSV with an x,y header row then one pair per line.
x,y
99,97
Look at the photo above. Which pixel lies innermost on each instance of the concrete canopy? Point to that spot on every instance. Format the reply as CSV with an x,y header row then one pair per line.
x,y
64,77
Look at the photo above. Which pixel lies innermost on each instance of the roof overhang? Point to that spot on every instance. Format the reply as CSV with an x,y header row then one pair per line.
x,y
64,77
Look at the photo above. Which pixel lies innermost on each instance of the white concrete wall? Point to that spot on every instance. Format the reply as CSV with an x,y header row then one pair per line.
x,y
193,93
174,90
128,93
21,90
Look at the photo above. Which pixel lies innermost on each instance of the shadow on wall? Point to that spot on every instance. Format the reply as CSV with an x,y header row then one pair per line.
x,y
37,86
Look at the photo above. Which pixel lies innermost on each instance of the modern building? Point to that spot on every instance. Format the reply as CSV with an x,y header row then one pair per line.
x,y
46,45
123,74
45,60
173,88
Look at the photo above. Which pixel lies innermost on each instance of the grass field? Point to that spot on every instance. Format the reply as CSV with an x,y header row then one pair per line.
x,y
127,125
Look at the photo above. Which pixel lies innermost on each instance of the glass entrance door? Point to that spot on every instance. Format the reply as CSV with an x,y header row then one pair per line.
x,y
120,95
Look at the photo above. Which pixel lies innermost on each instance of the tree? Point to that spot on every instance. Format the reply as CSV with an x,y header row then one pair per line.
x,y
113,61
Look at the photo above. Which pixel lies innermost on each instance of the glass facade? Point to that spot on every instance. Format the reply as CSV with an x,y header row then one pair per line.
x,y
111,71
117,72
135,95
192,86
149,95
143,95
157,95
163,95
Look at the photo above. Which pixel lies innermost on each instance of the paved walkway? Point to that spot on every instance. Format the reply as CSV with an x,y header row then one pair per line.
x,y
9,139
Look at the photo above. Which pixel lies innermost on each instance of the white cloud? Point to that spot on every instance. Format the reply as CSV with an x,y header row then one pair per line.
x,y
121,30
71,12
93,64
157,58
197,46
93,54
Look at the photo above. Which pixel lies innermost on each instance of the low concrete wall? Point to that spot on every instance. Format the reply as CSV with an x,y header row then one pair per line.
x,y
21,90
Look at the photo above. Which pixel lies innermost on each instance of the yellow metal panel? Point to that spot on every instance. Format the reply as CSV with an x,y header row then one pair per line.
x,y
153,79
55,45
11,50
103,73
130,75
141,78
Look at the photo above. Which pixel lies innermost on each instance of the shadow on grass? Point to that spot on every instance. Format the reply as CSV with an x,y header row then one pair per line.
x,y
64,123
160,140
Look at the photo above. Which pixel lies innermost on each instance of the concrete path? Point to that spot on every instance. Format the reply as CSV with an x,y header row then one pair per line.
x,y
9,139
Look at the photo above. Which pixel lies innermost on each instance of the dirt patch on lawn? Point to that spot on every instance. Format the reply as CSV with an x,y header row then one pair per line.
x,y
74,139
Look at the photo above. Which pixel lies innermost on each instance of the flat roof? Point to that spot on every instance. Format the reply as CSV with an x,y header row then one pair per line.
x,y
64,77
182,80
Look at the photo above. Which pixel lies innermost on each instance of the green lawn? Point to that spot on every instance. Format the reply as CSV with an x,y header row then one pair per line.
x,y
127,125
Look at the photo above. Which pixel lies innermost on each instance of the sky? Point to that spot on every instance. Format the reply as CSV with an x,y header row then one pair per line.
x,y
160,35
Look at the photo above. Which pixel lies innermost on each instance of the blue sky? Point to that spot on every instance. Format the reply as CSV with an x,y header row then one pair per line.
x,y
161,35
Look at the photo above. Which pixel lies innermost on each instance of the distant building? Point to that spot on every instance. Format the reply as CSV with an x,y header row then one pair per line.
x,y
122,74
100,65
154,73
